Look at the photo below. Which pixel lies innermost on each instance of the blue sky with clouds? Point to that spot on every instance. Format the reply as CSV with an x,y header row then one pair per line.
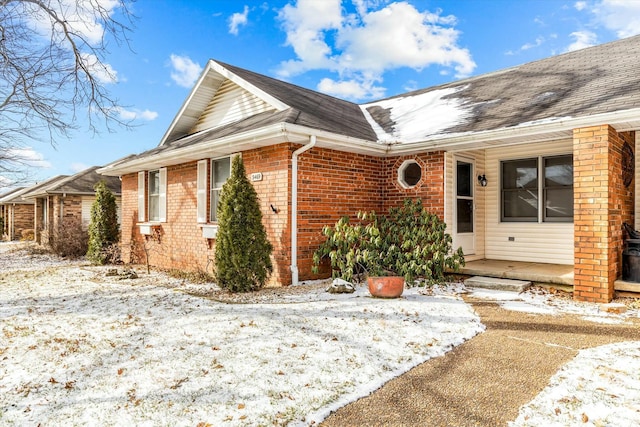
x,y
354,49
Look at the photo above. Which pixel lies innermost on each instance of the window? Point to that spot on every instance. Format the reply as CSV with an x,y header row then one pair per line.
x,y
154,195
220,172
526,182
409,173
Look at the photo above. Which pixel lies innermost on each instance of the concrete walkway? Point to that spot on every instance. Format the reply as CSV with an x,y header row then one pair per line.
x,y
486,380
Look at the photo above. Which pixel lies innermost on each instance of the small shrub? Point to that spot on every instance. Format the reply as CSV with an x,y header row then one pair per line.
x,y
409,242
69,240
27,234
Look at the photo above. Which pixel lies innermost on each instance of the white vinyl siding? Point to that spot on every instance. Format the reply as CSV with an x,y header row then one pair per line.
x,y
230,104
547,242
141,198
202,191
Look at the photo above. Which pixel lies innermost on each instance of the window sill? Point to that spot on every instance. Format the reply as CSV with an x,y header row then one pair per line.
x,y
209,231
147,228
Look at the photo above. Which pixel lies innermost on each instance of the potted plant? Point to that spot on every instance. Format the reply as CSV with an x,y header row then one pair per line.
x,y
409,244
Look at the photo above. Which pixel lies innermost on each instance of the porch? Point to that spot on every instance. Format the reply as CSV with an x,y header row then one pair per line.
x,y
560,275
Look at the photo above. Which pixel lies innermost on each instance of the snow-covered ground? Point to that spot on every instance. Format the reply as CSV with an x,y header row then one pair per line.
x,y
80,348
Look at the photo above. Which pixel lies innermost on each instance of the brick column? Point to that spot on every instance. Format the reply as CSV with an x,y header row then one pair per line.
x,y
601,204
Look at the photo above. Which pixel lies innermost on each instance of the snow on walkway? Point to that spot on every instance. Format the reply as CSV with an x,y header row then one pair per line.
x,y
77,348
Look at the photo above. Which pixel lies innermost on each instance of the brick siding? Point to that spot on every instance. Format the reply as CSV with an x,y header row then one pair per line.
x,y
601,204
331,184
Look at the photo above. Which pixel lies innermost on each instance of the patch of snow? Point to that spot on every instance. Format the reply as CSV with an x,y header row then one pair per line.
x,y
419,116
541,302
600,387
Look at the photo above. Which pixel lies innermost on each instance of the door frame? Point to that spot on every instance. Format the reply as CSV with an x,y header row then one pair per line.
x,y
465,240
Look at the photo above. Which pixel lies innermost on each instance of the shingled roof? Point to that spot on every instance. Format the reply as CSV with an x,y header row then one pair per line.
x,y
81,183
595,80
545,99
14,196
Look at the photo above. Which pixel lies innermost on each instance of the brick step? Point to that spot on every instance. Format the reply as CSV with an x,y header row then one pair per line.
x,y
497,284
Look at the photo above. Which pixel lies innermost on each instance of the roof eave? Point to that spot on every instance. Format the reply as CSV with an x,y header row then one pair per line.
x,y
262,137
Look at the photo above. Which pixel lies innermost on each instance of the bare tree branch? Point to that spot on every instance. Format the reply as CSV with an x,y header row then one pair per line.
x,y
53,68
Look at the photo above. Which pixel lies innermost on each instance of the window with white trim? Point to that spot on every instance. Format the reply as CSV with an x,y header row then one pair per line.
x,y
409,174
154,200
220,172
154,195
526,182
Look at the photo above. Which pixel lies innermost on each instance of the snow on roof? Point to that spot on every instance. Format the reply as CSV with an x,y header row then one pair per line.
x,y
413,118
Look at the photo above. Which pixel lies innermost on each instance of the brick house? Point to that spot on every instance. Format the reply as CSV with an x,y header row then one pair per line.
x,y
16,214
531,163
65,201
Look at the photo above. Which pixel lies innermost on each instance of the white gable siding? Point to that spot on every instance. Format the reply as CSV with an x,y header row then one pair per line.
x,y
230,104
536,242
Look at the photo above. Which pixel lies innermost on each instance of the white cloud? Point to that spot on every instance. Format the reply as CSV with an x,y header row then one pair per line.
x,y
361,47
100,70
81,16
582,39
78,167
30,157
620,16
580,5
185,71
129,115
238,19
537,43
350,89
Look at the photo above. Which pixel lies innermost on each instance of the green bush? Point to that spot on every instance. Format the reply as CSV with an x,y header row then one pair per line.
x,y
242,252
104,231
409,242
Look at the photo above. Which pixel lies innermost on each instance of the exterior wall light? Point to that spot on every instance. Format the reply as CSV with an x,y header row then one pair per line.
x,y
482,180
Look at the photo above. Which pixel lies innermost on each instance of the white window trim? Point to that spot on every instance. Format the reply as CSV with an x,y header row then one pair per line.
x,y
141,198
201,182
144,201
540,192
401,169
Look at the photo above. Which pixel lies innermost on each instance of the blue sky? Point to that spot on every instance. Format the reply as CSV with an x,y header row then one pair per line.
x,y
354,49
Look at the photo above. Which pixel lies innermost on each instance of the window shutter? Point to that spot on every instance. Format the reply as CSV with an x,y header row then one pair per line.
x,y
202,190
162,200
141,203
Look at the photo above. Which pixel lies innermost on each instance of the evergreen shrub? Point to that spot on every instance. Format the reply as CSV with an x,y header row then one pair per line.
x,y
242,250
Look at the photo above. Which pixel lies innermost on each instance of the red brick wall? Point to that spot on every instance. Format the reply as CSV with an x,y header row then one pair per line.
x,y
430,188
181,244
331,184
601,204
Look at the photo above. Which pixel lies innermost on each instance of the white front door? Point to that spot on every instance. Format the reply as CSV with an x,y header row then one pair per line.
x,y
464,218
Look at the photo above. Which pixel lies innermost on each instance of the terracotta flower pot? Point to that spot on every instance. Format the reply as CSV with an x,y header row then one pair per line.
x,y
386,287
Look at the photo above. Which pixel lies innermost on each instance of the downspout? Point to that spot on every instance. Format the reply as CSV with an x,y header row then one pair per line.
x,y
294,208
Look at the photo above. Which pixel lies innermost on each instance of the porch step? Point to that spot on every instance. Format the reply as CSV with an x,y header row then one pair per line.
x,y
497,284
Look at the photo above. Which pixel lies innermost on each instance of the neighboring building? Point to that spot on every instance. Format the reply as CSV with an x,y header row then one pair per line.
x,y
17,215
66,201
531,163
